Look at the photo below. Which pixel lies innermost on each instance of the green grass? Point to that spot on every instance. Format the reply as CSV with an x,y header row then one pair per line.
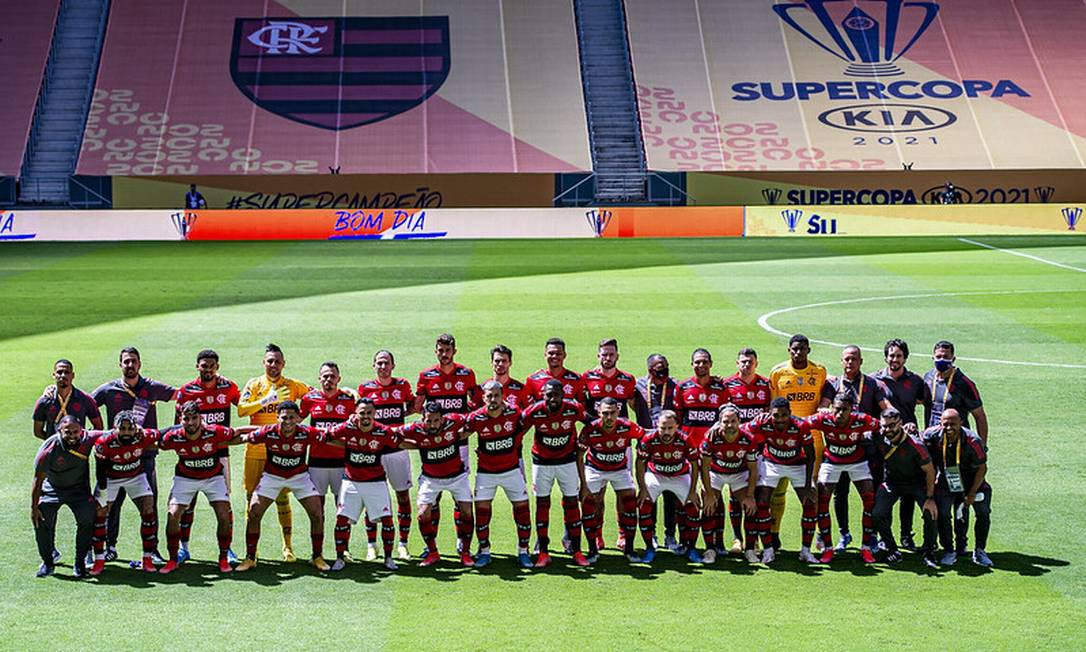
x,y
342,301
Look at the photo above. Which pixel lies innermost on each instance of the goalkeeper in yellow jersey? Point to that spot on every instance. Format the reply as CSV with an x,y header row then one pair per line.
x,y
259,401
800,381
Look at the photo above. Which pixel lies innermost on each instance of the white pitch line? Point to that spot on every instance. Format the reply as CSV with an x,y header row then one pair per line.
x,y
763,321
1023,255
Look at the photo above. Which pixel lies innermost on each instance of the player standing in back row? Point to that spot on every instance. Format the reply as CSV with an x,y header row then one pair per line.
x,y
750,393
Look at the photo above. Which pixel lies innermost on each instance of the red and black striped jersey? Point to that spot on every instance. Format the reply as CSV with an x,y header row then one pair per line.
x,y
326,412
697,405
286,454
555,432
391,402
729,456
670,458
751,398
198,458
365,449
621,386
609,451
440,453
843,441
515,393
500,439
216,402
123,459
781,447
454,392
572,384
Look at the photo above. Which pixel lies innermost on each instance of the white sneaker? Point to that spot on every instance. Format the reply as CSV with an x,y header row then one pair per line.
x,y
402,552
768,556
752,557
709,557
371,552
806,556
391,564
339,564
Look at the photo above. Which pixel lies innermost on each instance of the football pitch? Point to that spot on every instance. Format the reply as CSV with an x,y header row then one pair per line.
x,y
1016,314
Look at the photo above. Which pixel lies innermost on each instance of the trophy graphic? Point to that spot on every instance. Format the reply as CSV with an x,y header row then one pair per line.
x,y
1071,215
598,219
771,195
791,218
183,222
868,46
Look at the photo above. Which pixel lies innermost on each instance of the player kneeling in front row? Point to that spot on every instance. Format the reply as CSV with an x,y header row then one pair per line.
x,y
501,432
120,450
602,459
199,470
666,462
729,458
287,442
364,484
437,438
844,432
788,454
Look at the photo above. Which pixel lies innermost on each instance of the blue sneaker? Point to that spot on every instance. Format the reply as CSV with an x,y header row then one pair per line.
x,y
482,559
649,555
183,555
525,560
424,553
56,556
843,542
694,556
231,558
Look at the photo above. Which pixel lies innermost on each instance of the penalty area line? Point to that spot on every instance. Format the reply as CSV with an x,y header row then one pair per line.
x,y
1023,255
763,321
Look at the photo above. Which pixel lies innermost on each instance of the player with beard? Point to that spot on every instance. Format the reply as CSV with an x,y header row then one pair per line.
x,y
121,451
364,480
554,460
260,401
729,458
604,458
438,439
514,391
750,393
666,462
908,471
62,477
200,469
61,399
788,455
392,401
214,395
571,382
286,441
607,380
500,433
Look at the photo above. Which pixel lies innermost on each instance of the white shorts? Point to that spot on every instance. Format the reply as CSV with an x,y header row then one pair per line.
x,y
735,481
271,486
596,480
657,484
545,475
184,490
135,487
325,478
430,489
831,473
398,469
772,474
512,482
373,496
465,457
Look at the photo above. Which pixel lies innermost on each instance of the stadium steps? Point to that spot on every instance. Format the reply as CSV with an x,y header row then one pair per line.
x,y
614,126
60,115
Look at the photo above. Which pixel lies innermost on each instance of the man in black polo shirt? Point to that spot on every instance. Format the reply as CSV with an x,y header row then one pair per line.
x,y
947,387
62,399
132,392
908,471
869,396
656,393
905,391
62,477
961,462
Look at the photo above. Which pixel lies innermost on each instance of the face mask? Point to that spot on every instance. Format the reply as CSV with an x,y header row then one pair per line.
x,y
661,372
943,365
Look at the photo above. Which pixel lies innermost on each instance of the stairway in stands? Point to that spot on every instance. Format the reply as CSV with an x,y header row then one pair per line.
x,y
61,112
614,126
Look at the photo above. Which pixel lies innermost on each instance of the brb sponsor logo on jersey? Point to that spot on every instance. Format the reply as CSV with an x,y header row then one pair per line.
x,y
871,47
342,72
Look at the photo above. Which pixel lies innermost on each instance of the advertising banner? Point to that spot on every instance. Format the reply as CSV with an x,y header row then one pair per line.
x,y
912,220
85,226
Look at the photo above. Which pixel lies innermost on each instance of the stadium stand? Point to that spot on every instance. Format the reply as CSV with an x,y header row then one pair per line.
x,y
25,36
763,85
249,87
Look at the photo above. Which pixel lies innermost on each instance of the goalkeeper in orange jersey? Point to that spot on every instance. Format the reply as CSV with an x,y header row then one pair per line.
x,y
259,401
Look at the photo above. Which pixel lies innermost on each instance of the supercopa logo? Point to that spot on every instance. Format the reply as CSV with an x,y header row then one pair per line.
x,y
870,37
